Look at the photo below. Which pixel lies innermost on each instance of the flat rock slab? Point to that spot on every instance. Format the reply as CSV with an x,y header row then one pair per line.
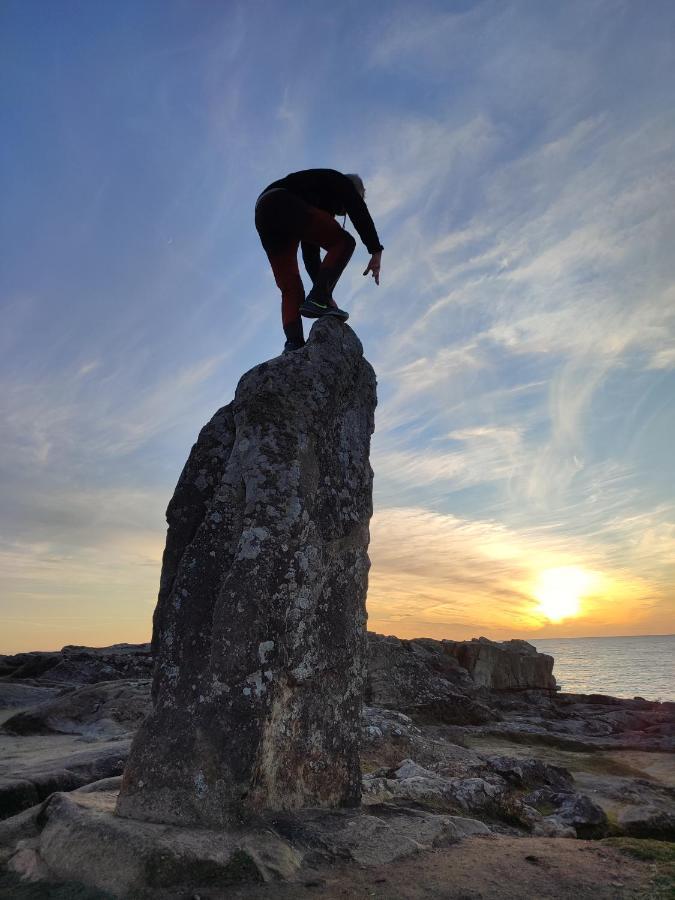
x,y
33,768
16,696
371,837
77,837
106,709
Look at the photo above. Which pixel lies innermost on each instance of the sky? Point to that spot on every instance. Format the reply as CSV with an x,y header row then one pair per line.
x,y
519,162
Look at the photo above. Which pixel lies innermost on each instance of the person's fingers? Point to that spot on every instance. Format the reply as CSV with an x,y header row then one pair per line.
x,y
374,270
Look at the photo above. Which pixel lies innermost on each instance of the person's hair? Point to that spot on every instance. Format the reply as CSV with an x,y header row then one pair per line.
x,y
357,181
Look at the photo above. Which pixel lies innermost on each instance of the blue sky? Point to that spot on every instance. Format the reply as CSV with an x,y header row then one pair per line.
x,y
520,167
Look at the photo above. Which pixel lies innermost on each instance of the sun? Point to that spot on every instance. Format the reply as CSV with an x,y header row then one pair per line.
x,y
559,592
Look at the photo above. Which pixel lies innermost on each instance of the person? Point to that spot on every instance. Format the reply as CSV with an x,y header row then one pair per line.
x,y
299,210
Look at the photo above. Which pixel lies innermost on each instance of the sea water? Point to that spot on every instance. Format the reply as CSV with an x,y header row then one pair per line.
x,y
618,666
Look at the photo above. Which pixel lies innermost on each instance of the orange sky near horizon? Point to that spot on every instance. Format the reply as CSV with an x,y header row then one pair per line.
x,y
438,576
432,575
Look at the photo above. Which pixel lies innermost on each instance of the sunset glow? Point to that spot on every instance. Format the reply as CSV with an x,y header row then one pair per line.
x,y
560,592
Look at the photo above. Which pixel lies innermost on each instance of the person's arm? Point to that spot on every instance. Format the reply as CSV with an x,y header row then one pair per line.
x,y
357,211
311,257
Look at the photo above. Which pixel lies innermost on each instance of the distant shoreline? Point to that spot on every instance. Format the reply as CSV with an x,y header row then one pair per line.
x,y
530,640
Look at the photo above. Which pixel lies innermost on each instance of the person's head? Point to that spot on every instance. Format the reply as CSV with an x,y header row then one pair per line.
x,y
358,184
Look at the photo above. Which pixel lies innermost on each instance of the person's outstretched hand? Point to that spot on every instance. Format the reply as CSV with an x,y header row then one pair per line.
x,y
374,266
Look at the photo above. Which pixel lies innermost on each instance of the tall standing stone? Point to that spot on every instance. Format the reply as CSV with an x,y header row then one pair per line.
x,y
259,631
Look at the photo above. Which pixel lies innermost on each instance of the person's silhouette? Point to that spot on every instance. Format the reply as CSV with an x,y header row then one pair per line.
x,y
299,210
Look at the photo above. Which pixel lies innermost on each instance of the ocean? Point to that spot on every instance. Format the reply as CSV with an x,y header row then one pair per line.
x,y
619,666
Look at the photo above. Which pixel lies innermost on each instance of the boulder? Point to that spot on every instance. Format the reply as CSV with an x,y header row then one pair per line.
x,y
21,827
571,810
389,737
581,813
647,821
530,772
259,631
509,665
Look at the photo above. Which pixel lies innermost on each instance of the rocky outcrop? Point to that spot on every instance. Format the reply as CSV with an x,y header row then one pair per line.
x,y
259,631
509,665
650,821
493,797
419,678
75,665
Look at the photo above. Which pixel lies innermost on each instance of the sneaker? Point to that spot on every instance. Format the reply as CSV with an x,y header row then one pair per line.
x,y
313,309
290,346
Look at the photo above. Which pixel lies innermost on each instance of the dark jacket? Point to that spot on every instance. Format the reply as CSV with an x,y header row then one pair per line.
x,y
333,192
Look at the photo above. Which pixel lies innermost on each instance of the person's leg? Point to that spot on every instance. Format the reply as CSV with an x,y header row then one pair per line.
x,y
278,217
287,277
322,229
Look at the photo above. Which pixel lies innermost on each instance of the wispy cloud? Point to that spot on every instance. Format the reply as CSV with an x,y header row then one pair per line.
x,y
51,416
519,166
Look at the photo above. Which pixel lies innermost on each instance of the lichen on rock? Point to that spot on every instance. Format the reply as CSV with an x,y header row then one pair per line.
x,y
259,631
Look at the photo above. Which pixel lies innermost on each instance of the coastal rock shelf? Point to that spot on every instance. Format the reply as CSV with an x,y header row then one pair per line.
x,y
456,760
422,706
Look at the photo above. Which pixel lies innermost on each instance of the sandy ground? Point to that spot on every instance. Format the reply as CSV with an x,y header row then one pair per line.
x,y
478,867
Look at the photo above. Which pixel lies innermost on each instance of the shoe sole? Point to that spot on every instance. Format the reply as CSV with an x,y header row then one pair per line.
x,y
314,314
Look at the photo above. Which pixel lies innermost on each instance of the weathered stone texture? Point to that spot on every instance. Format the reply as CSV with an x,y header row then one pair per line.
x,y
259,630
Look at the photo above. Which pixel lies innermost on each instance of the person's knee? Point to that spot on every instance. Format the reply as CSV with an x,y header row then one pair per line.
x,y
349,242
347,245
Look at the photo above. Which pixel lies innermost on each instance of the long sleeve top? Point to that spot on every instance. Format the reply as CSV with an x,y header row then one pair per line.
x,y
333,192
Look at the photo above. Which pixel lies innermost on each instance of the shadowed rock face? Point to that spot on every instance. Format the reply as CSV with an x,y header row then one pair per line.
x,y
259,631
